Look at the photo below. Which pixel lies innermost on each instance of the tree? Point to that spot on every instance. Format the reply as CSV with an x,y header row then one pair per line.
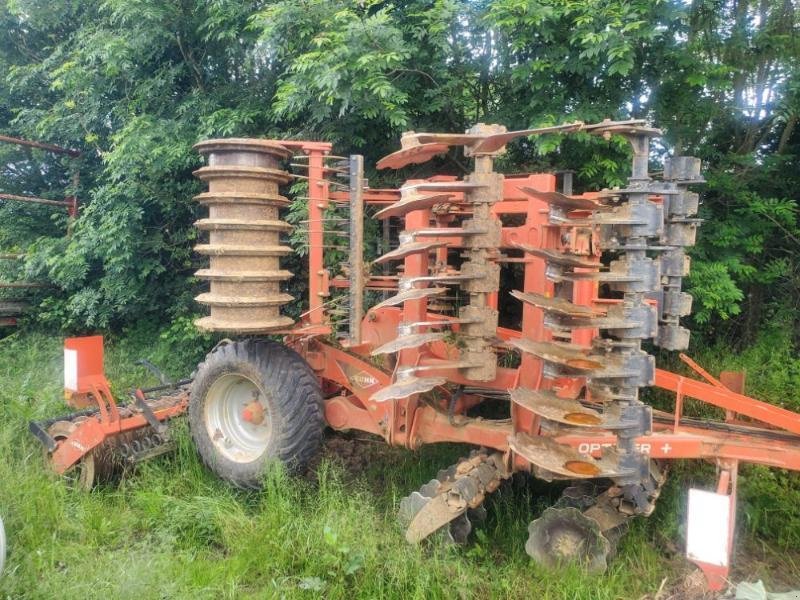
x,y
135,83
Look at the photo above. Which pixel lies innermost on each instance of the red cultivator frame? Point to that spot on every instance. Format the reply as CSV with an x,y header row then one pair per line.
x,y
103,435
564,374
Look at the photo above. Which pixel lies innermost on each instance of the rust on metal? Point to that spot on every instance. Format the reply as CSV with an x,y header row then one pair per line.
x,y
581,418
442,187
557,305
254,413
562,410
411,155
496,141
558,258
582,467
35,200
733,380
408,341
547,454
481,140
412,294
452,496
412,201
406,387
565,535
244,235
83,473
437,513
410,248
564,354
565,202
356,248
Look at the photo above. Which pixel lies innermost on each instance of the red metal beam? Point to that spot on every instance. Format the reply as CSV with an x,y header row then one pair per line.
x,y
37,200
433,426
93,432
324,147
40,145
371,196
697,442
729,400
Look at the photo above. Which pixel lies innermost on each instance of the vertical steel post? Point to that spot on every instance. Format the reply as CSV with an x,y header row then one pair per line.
x,y
385,247
566,182
356,247
317,204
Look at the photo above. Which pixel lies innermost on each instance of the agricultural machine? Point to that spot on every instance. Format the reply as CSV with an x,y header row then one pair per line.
x,y
503,313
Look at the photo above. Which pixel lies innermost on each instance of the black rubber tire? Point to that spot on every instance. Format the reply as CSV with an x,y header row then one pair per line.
x,y
294,404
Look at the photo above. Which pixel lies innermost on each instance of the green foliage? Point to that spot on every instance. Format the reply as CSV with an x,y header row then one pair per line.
x,y
779,520
342,58
746,245
124,82
134,84
715,292
770,363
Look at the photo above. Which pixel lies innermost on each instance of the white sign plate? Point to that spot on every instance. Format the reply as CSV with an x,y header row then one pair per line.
x,y
708,528
70,370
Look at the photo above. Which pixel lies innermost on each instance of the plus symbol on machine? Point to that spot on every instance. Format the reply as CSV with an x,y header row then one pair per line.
x,y
666,448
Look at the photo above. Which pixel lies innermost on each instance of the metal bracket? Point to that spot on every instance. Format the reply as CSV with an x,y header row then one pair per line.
x,y
149,415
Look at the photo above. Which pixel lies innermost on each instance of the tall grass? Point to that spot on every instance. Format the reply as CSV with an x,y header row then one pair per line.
x,y
170,529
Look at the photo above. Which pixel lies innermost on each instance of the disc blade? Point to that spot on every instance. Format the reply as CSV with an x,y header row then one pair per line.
x,y
433,516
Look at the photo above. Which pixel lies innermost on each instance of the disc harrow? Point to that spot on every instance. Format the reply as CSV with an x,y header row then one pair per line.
x,y
633,224
454,499
501,313
586,523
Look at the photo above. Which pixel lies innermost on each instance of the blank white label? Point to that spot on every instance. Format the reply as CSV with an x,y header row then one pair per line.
x,y
709,527
71,370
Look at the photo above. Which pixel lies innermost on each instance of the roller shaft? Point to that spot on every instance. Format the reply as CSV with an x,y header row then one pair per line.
x,y
244,229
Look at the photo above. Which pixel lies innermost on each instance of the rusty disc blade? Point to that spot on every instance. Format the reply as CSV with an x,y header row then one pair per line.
x,y
411,156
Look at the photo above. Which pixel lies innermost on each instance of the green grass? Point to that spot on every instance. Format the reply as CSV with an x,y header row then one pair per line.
x,y
170,529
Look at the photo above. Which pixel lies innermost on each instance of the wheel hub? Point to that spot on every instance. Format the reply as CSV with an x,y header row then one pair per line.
x,y
254,413
237,418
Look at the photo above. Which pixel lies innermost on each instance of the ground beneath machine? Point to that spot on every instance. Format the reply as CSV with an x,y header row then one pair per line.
x,y
366,460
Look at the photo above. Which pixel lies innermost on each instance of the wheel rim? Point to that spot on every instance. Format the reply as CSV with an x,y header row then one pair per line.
x,y
79,476
230,405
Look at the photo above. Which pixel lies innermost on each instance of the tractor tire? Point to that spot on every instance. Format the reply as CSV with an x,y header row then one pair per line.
x,y
253,403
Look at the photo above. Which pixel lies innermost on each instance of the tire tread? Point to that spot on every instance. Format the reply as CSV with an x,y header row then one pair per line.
x,y
298,401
